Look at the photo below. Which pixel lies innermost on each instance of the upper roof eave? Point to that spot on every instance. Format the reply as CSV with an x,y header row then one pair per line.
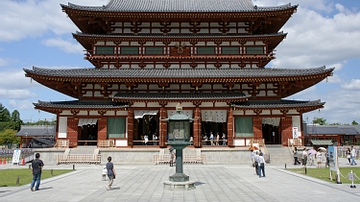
x,y
161,36
184,73
184,6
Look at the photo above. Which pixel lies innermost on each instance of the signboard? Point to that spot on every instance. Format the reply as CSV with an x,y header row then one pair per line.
x,y
16,156
295,132
333,160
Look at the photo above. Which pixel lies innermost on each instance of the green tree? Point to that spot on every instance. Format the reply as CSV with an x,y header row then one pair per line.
x,y
7,137
4,114
320,121
354,123
15,118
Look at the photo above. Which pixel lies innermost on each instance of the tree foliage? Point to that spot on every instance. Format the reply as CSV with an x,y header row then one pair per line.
x,y
40,123
8,137
9,122
354,123
320,121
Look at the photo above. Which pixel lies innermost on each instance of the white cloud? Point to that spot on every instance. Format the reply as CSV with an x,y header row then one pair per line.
x,y
32,18
354,84
13,79
66,46
3,62
20,105
16,94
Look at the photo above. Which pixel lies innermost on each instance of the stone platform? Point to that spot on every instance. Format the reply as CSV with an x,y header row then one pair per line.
x,y
173,186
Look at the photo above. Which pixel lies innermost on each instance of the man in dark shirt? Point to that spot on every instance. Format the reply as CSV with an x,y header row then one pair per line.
x,y
36,167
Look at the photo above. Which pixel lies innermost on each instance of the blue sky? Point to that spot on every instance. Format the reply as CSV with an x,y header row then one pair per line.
x,y
322,32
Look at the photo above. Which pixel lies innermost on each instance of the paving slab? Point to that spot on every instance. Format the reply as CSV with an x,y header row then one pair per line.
x,y
213,183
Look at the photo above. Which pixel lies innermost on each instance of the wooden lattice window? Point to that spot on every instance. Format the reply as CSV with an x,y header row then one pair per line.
x,y
129,50
206,50
104,50
230,50
253,50
154,50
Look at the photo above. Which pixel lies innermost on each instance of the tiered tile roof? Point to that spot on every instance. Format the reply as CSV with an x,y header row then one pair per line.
x,y
179,6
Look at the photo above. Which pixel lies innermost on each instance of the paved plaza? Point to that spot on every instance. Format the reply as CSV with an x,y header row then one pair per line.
x,y
213,183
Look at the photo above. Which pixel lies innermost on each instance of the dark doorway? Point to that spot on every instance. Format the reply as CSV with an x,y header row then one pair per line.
x,y
88,134
271,134
148,126
207,127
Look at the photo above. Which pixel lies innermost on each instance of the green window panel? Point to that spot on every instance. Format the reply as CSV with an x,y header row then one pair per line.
x,y
253,50
116,128
105,50
244,127
154,50
206,50
230,50
129,50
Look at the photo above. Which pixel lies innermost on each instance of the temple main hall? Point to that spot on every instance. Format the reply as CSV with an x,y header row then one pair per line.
x,y
146,57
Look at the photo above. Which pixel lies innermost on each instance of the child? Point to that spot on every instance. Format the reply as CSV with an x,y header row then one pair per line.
x,y
104,172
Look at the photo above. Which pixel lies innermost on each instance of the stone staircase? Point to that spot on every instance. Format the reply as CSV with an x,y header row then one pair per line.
x,y
80,155
279,155
89,150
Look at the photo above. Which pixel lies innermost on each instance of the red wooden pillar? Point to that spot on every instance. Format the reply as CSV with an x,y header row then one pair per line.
x,y
102,128
72,131
230,126
163,128
257,128
197,128
286,130
130,128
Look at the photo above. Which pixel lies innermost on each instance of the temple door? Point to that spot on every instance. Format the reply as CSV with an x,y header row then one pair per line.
x,y
102,129
257,128
72,132
130,127
286,130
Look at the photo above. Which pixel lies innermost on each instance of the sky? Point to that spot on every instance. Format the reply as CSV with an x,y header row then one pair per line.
x,y
322,32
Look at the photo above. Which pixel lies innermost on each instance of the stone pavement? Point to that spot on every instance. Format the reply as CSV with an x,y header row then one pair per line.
x,y
213,183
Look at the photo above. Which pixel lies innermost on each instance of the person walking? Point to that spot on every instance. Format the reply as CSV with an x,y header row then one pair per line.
x,y
223,139
304,157
353,155
110,172
348,155
212,138
296,156
256,162
36,169
261,165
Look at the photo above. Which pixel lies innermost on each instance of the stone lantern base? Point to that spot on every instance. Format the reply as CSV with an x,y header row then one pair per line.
x,y
179,177
188,185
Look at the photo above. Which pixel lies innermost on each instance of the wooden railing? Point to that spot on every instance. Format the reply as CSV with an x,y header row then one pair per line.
x,y
78,159
187,159
68,158
62,143
105,143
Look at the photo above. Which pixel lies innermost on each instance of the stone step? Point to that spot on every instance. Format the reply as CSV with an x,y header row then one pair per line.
x,y
279,154
83,150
